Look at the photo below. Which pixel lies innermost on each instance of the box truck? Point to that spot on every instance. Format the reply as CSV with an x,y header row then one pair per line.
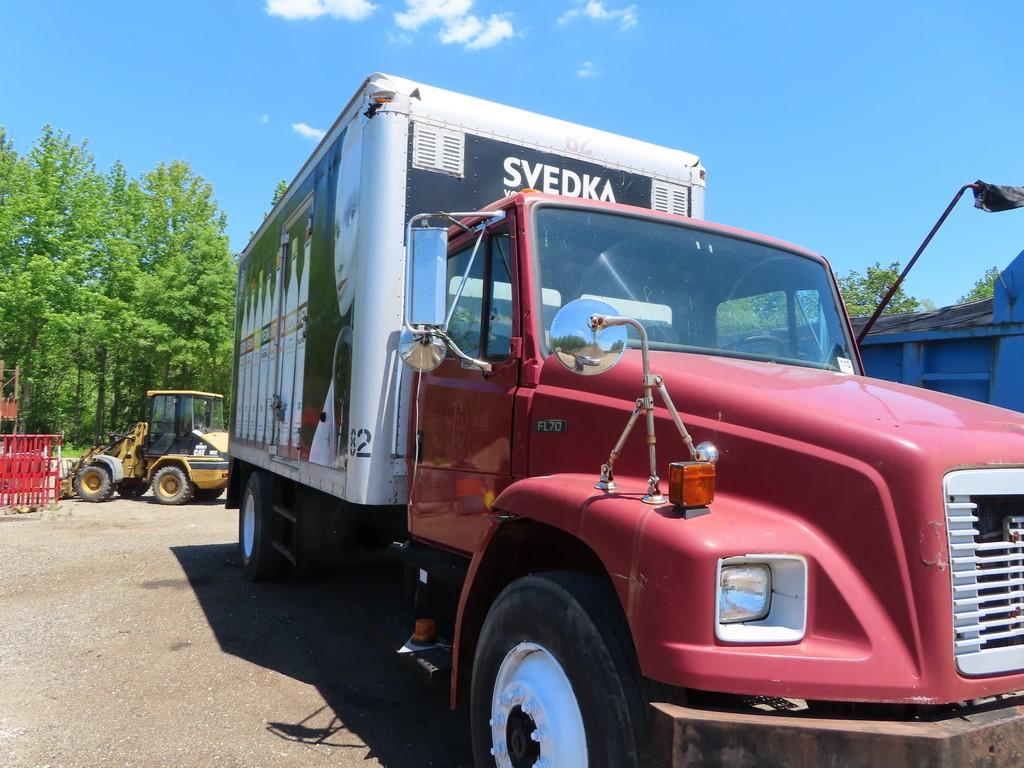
x,y
464,330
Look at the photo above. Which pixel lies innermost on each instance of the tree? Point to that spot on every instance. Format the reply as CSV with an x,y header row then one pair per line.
x,y
108,285
279,190
984,288
863,293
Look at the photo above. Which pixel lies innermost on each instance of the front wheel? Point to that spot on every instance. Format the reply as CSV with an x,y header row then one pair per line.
x,y
93,483
555,680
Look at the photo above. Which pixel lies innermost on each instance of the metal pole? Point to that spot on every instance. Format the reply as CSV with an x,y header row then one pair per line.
x,y
910,265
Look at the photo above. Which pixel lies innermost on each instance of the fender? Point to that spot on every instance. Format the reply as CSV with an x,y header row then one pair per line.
x,y
163,461
663,567
114,465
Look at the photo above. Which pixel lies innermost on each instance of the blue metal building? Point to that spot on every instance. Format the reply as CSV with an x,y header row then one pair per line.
x,y
973,350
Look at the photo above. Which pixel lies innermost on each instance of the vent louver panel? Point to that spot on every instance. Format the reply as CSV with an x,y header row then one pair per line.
x,y
438,149
670,198
985,524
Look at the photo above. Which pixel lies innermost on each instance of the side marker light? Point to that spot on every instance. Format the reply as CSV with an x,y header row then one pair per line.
x,y
691,483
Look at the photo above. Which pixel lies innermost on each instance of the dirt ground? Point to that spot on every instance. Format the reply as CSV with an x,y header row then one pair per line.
x,y
128,637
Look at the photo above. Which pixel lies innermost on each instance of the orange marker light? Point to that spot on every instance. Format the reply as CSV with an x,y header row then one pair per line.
x,y
425,632
691,483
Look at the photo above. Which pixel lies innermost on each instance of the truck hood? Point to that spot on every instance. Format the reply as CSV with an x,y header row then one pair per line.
x,y
856,415
737,403
851,464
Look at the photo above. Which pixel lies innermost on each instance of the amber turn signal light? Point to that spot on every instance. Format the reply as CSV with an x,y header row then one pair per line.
x,y
691,483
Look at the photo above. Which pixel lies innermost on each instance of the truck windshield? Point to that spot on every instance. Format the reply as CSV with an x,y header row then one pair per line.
x,y
693,290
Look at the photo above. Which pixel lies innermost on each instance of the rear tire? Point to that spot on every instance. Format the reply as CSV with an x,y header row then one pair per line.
x,y
555,678
258,525
172,486
93,483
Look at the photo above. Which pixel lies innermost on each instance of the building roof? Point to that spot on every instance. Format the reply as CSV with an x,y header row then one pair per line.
x,y
970,315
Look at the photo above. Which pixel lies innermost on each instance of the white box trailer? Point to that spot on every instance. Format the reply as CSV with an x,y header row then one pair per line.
x,y
319,395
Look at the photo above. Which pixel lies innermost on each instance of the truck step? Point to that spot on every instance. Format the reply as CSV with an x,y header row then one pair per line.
x,y
434,661
284,512
286,551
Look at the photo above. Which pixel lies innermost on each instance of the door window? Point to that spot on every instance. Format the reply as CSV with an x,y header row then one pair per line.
x,y
464,327
499,313
482,321
161,425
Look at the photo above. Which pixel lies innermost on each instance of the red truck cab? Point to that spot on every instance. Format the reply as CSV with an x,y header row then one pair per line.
x,y
863,551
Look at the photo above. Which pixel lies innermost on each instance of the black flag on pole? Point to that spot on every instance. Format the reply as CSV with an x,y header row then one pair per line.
x,y
994,198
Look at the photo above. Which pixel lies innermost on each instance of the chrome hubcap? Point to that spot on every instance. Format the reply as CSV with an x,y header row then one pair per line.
x,y
535,718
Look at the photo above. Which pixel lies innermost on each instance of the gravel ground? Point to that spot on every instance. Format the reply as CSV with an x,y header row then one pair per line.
x,y
128,638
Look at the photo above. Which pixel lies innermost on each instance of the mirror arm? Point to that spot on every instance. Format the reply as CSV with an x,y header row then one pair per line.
x,y
597,322
646,405
480,365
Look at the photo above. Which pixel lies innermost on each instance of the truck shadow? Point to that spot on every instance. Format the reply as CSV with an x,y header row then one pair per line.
x,y
321,631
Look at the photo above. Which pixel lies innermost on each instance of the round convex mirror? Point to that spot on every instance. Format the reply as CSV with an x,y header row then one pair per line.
x,y
422,352
581,349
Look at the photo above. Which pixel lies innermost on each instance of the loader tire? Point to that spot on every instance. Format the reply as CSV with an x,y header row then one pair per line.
x,y
93,483
172,486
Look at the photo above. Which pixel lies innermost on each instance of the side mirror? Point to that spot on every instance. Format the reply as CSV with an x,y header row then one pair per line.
x,y
427,254
582,349
422,352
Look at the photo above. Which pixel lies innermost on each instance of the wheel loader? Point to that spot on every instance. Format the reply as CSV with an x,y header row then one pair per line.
x,y
180,452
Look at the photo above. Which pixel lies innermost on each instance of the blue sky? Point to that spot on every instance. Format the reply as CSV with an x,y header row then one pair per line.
x,y
844,127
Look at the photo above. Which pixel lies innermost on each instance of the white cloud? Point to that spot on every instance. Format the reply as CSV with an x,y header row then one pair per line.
x,y
495,29
419,12
586,69
458,25
350,10
264,118
461,31
308,131
596,10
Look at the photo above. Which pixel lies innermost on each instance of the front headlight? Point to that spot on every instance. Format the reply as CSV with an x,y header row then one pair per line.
x,y
761,598
744,592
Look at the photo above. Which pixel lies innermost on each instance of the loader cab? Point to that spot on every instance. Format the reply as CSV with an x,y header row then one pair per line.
x,y
181,421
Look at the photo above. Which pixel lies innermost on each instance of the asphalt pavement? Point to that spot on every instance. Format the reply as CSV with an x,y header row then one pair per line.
x,y
129,638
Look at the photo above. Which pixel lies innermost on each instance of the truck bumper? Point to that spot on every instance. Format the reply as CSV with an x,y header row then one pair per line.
x,y
691,737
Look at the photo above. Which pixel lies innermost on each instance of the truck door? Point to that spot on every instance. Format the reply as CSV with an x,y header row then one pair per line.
x,y
465,416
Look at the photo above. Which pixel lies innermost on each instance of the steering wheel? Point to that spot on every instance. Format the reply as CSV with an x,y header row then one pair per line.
x,y
763,338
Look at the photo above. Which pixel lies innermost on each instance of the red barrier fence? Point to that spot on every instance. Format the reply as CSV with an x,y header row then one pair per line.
x,y
29,470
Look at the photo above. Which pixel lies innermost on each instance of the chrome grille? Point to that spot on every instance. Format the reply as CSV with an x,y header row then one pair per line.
x,y
985,521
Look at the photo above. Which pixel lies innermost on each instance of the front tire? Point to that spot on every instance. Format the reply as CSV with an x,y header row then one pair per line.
x,y
257,526
93,483
172,486
555,679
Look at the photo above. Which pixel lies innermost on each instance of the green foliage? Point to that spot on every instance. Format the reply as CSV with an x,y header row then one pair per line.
x,y
279,190
109,286
984,288
863,293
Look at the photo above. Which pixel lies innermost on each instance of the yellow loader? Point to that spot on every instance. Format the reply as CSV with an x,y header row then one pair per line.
x,y
180,452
